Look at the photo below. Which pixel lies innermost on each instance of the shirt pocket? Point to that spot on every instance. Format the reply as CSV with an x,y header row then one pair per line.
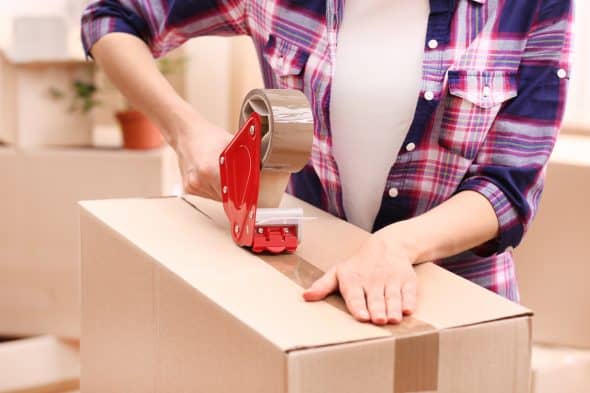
x,y
471,106
287,62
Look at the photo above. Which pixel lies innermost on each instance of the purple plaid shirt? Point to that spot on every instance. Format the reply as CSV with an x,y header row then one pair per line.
x,y
495,75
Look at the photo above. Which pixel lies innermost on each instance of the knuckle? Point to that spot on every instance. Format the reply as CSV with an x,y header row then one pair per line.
x,y
343,271
375,296
410,275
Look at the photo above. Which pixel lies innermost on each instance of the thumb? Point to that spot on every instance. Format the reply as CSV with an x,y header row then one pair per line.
x,y
324,286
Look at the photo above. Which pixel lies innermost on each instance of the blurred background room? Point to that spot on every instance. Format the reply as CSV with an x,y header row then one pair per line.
x,y
67,134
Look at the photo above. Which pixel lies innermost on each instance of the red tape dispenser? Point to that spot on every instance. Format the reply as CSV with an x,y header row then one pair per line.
x,y
274,140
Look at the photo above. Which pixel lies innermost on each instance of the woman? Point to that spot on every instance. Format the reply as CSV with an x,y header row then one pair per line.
x,y
434,120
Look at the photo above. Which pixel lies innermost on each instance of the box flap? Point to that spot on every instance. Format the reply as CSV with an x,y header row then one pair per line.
x,y
445,299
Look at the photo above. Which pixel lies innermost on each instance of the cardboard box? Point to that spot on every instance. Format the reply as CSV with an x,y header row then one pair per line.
x,y
7,102
553,263
30,115
39,365
560,370
39,271
171,304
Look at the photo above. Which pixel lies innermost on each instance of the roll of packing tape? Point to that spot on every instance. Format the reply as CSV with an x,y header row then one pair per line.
x,y
287,137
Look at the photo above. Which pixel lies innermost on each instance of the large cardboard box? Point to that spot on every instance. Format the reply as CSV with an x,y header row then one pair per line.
x,y
560,370
171,304
39,365
553,263
39,271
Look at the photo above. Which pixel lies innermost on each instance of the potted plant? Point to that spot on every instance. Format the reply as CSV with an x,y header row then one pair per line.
x,y
138,132
83,98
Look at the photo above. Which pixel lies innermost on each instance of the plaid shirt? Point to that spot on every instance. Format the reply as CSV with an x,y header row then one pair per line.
x,y
493,91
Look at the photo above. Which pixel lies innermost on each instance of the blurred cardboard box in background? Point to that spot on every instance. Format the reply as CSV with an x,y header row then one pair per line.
x,y
560,370
197,313
553,263
39,365
30,115
39,268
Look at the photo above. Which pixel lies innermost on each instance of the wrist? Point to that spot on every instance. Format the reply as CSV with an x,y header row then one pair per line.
x,y
401,238
183,122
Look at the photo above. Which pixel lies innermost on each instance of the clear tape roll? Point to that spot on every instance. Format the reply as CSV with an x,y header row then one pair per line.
x,y
287,137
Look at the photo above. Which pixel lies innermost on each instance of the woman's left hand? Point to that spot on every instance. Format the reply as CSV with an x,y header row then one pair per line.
x,y
378,282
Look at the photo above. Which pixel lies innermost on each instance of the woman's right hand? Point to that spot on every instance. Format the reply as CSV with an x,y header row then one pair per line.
x,y
198,151
129,64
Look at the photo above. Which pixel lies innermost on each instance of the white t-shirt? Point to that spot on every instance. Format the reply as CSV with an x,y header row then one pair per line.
x,y
375,89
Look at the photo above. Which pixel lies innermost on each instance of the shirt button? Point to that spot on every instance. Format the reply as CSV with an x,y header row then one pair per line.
x,y
561,73
429,96
411,146
486,91
393,192
433,44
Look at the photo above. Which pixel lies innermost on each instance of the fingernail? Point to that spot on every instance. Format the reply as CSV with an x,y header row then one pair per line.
x,y
364,314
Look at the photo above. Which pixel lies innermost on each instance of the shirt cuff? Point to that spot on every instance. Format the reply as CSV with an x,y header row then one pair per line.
x,y
511,229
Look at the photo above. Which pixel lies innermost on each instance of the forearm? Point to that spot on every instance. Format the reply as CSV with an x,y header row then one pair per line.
x,y
463,222
129,64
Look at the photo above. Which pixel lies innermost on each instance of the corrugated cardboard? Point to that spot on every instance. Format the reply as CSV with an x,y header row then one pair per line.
x,y
39,273
553,263
170,304
560,370
39,365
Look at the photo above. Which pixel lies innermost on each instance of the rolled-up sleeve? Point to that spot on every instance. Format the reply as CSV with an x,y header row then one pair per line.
x,y
509,169
162,24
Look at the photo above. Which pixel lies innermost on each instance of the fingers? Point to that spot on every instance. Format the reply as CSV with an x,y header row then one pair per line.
x,y
352,292
393,300
203,184
409,295
376,304
324,286
354,296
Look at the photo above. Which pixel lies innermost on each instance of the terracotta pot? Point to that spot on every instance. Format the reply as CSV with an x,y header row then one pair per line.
x,y
138,131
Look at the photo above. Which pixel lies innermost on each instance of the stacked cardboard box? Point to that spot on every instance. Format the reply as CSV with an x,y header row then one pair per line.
x,y
560,370
39,365
39,271
167,294
30,114
553,265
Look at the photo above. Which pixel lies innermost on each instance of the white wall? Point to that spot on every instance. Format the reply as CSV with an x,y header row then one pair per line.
x,y
10,9
220,72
